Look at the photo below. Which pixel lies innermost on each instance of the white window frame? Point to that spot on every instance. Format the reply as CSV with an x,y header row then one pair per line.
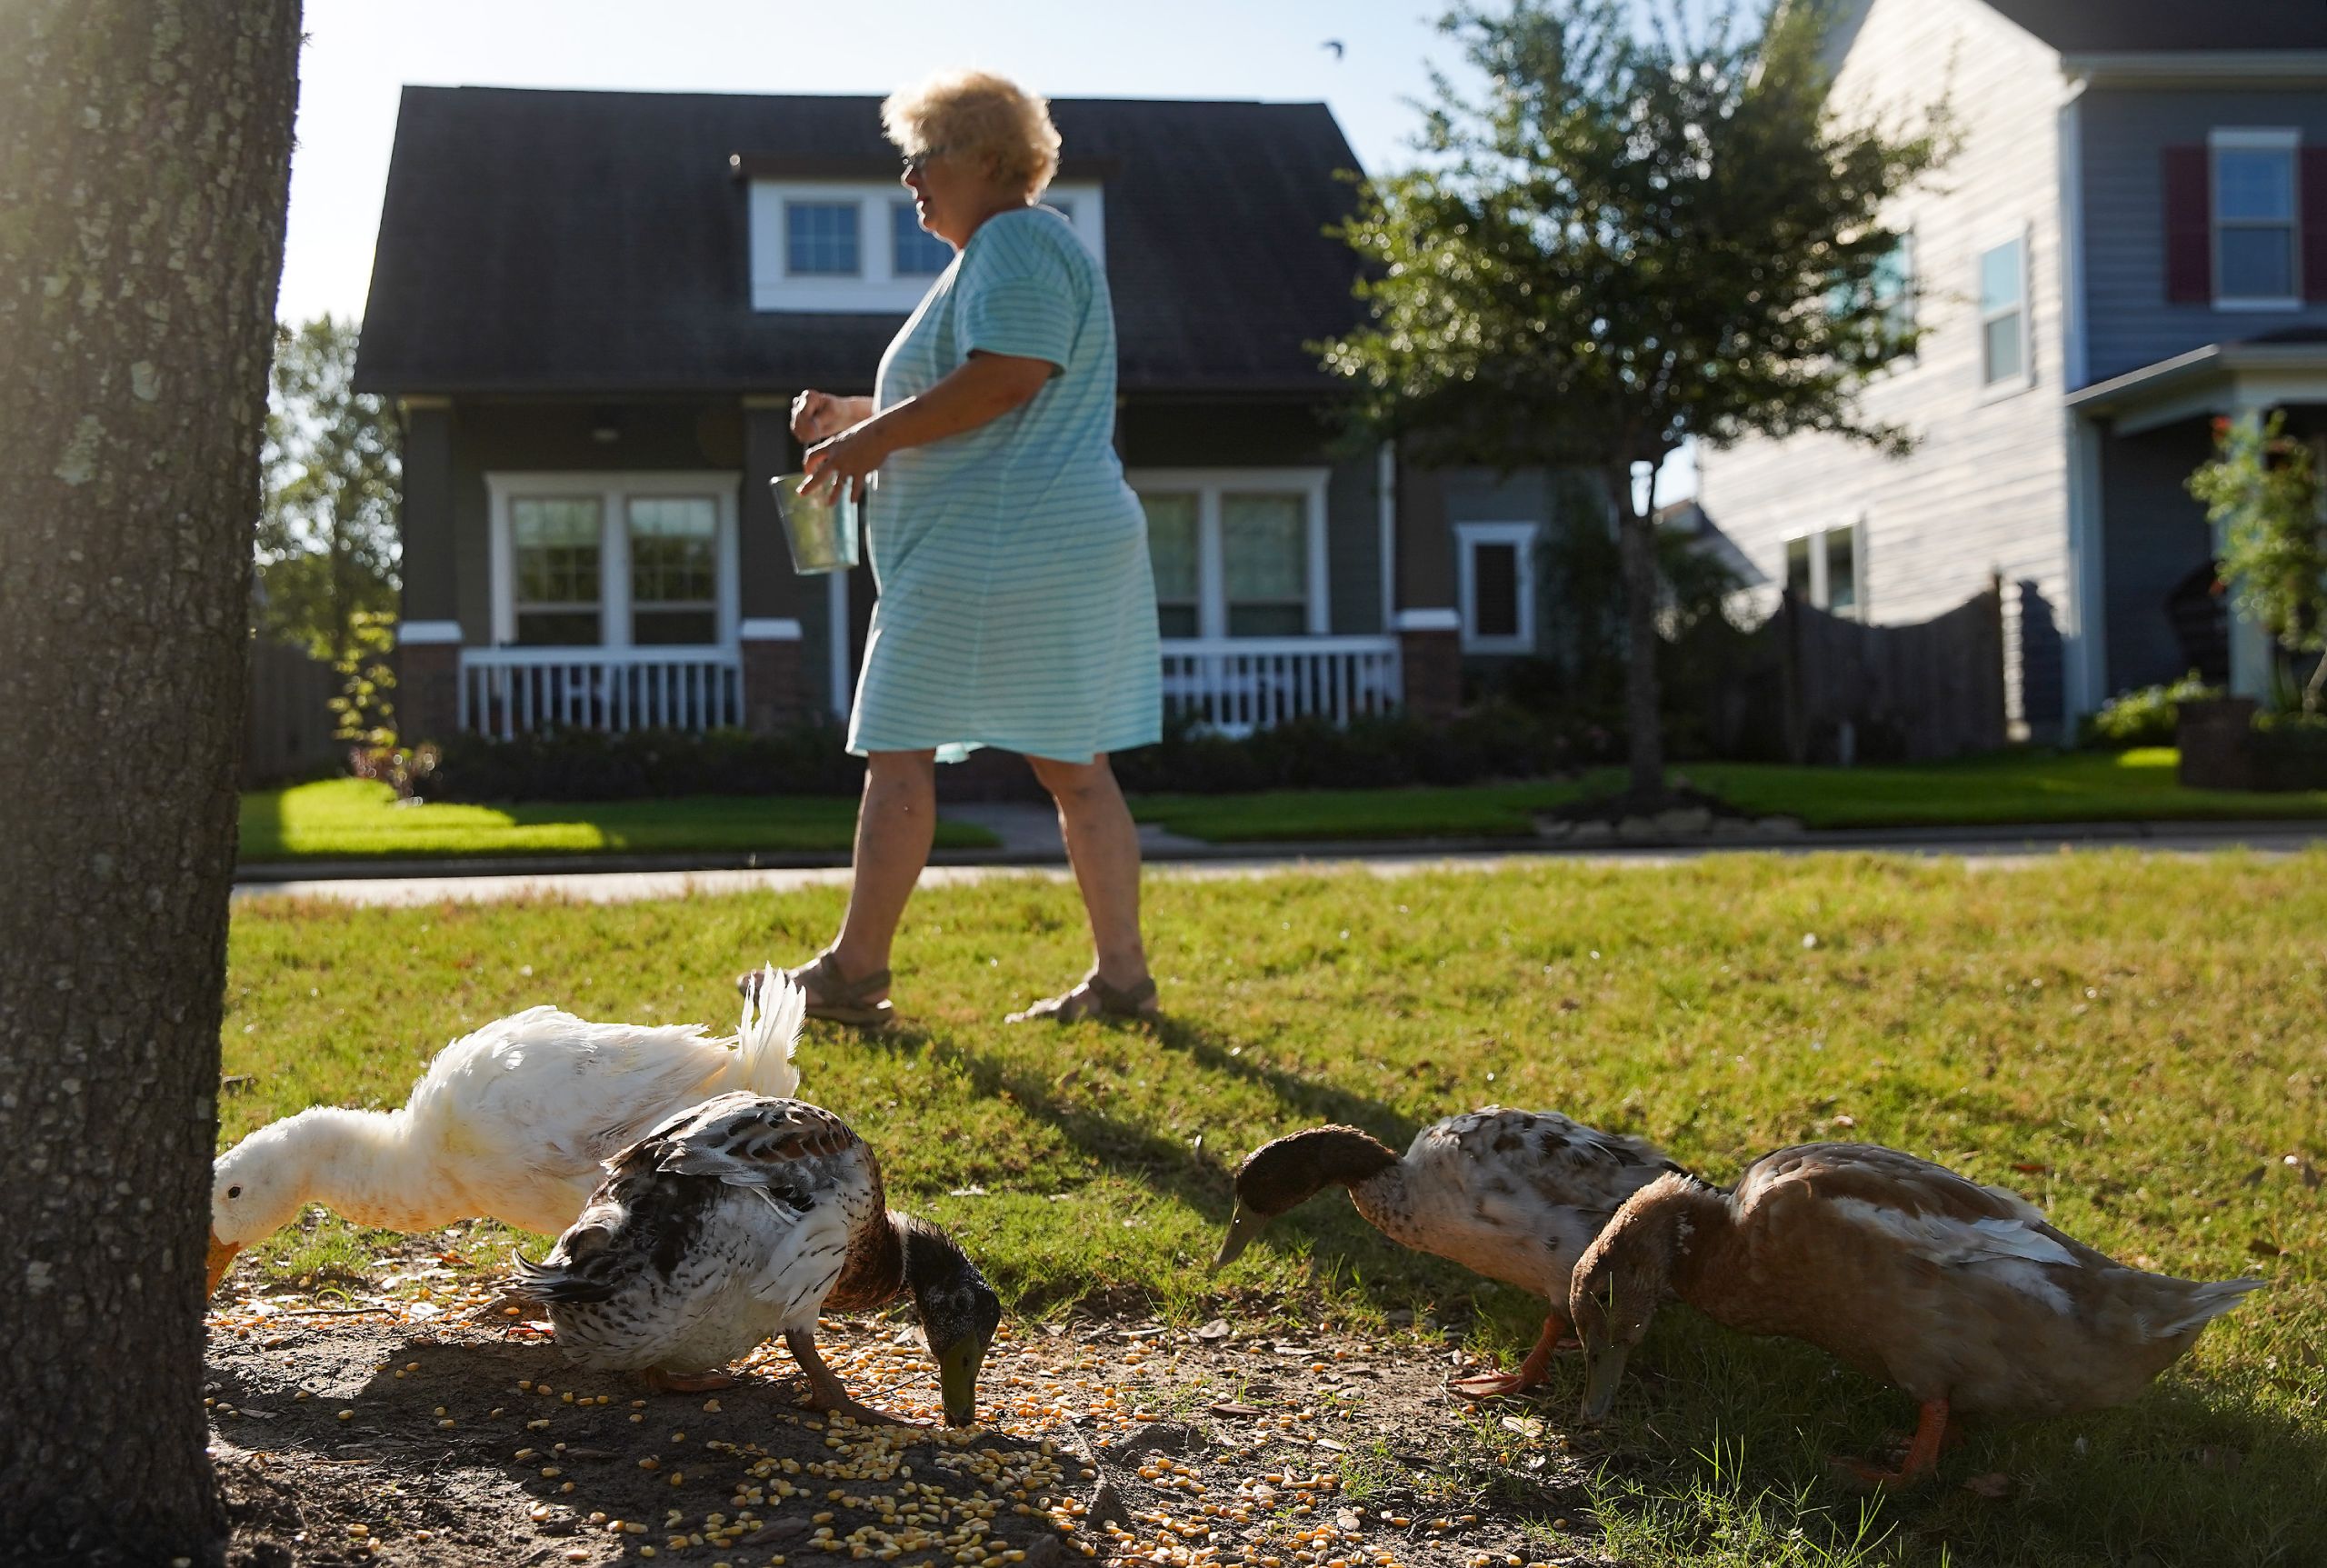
x,y
1208,485
877,287
613,491
2022,235
840,204
1822,588
2249,139
1468,537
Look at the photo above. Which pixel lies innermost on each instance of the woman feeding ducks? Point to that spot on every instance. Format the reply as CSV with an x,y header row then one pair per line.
x,y
1959,1294
743,1218
1516,1195
1018,607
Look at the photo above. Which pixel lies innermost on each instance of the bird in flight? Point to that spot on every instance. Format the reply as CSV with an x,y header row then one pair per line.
x,y
1334,44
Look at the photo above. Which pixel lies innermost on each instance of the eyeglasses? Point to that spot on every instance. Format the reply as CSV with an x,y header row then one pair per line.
x,y
916,161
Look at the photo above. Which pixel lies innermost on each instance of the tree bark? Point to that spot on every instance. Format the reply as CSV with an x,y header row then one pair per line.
x,y
1637,556
144,165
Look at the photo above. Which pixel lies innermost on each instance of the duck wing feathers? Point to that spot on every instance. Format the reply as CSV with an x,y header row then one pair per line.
x,y
1516,1195
1948,1287
727,1223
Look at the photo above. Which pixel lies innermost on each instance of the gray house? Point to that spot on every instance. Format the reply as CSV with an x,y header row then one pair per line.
x,y
594,309
2132,242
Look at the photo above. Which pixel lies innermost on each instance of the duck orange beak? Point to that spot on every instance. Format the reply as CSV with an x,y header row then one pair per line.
x,y
221,1258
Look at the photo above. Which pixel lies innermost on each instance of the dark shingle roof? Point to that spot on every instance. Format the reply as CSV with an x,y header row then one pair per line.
x,y
2142,26
598,241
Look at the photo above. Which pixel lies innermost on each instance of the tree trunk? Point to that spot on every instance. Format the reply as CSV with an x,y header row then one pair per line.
x,y
1637,554
145,164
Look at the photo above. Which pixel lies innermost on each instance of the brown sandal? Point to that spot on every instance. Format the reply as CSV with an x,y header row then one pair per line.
x,y
831,996
1094,998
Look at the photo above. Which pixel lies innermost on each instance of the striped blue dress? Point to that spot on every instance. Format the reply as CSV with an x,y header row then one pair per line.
x,y
1018,608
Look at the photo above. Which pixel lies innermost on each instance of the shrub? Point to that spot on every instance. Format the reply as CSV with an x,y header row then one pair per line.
x,y
594,765
2146,717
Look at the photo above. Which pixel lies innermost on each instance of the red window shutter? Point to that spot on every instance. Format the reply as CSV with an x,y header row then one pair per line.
x,y
2312,199
2189,227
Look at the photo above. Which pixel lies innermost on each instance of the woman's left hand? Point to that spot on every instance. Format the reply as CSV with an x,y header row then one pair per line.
x,y
847,460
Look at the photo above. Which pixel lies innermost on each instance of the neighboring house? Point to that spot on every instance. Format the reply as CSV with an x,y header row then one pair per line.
x,y
595,307
2132,241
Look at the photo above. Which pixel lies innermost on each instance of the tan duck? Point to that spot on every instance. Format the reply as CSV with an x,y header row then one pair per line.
x,y
1516,1195
1962,1294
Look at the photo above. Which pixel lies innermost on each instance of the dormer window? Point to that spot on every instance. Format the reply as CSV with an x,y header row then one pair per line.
x,y
820,239
825,244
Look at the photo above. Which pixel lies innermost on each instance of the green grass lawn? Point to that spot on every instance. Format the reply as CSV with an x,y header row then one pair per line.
x,y
2134,1043
2011,788
356,819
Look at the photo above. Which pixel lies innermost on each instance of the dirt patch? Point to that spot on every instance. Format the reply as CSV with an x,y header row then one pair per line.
x,y
411,1432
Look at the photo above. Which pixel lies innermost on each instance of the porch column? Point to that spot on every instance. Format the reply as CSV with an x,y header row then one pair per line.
x,y
1430,663
428,629
775,687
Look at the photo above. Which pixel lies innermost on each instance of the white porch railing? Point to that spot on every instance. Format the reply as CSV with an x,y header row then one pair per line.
x,y
508,691
1239,685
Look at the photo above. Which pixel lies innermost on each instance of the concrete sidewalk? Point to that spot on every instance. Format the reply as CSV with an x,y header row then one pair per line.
x,y
1030,845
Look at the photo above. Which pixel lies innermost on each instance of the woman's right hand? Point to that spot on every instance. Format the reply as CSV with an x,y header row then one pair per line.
x,y
818,416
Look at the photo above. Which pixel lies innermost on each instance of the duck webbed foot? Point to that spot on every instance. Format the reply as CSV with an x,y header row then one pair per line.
x,y
1923,1454
661,1381
824,1391
1492,1385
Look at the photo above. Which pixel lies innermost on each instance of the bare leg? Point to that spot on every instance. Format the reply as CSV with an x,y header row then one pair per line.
x,y
895,825
1102,845
824,1391
1530,1370
1923,1452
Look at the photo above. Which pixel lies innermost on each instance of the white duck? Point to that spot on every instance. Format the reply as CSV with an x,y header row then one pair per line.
x,y
1516,1195
744,1217
514,1122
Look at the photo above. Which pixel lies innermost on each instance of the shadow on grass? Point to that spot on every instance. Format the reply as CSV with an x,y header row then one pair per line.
x,y
1721,1446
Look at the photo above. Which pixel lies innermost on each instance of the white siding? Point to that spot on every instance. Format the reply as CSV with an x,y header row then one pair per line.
x,y
1987,490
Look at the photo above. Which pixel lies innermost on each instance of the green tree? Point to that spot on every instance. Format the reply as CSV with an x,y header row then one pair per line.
x,y
2261,487
144,165
327,546
1624,239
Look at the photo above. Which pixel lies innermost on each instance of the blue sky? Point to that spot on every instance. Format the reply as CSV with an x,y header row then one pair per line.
x,y
359,53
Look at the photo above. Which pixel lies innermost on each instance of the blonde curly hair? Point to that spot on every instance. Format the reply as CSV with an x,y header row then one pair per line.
x,y
982,114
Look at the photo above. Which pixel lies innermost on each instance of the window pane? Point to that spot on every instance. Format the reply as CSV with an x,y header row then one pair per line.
x,y
673,551
2000,275
914,251
664,628
1797,567
1172,545
1175,620
555,548
820,238
557,628
1267,621
2001,349
1842,570
2254,183
2257,264
1264,548
1494,590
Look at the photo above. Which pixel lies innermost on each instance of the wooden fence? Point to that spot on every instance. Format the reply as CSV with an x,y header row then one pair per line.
x,y
1816,687
288,725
